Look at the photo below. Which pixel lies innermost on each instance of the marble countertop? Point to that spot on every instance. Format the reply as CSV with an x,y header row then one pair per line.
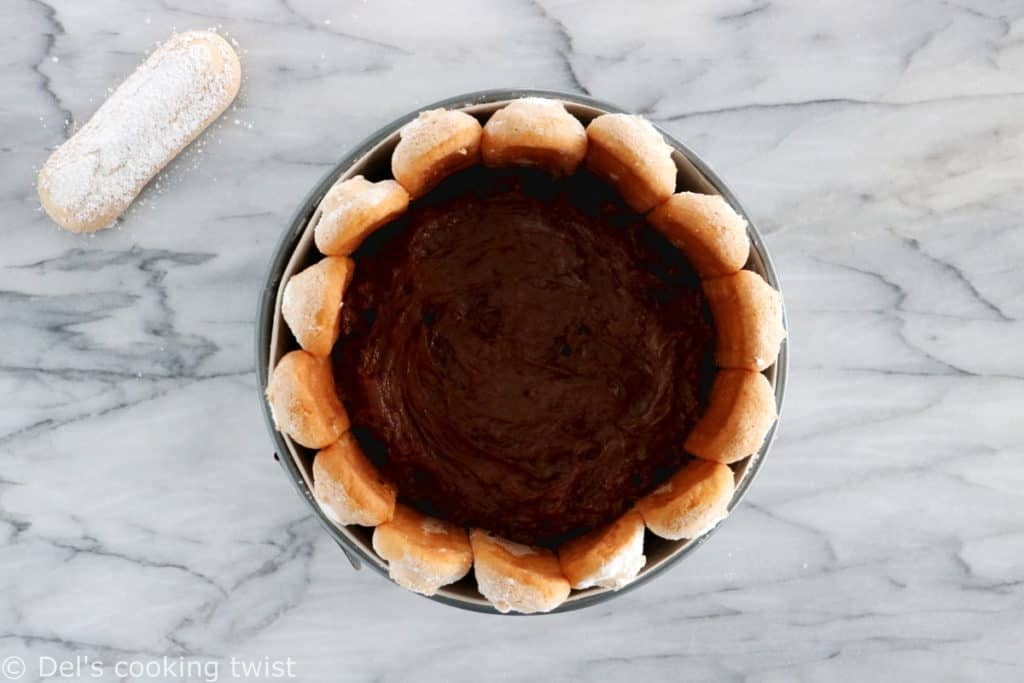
x,y
879,147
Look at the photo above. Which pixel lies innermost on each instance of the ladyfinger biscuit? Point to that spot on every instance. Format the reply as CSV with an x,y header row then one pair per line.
x,y
423,553
694,500
311,303
630,153
169,100
434,145
517,577
748,319
353,209
534,131
706,229
303,402
609,557
741,410
348,487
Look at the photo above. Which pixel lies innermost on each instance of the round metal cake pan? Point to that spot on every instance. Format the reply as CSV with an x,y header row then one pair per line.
x,y
295,251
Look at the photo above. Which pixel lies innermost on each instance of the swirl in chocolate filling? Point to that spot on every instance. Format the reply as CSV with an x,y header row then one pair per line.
x,y
523,355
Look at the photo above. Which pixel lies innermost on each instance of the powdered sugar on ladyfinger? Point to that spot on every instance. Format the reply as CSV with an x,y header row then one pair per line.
x,y
166,103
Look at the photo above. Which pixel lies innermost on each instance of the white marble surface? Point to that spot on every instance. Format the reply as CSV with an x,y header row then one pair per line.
x,y
878,145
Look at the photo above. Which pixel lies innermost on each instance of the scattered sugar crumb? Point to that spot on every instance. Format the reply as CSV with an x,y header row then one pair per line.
x,y
433,526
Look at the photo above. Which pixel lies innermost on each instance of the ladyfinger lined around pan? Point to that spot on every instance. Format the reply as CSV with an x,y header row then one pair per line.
x,y
748,319
348,487
434,145
706,229
423,553
689,504
311,303
353,209
516,577
609,557
303,402
630,153
741,410
533,131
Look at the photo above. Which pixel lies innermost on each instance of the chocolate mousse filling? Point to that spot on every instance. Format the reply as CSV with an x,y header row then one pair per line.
x,y
523,355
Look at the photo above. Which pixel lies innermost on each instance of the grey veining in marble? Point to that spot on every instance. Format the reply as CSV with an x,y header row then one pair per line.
x,y
878,144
